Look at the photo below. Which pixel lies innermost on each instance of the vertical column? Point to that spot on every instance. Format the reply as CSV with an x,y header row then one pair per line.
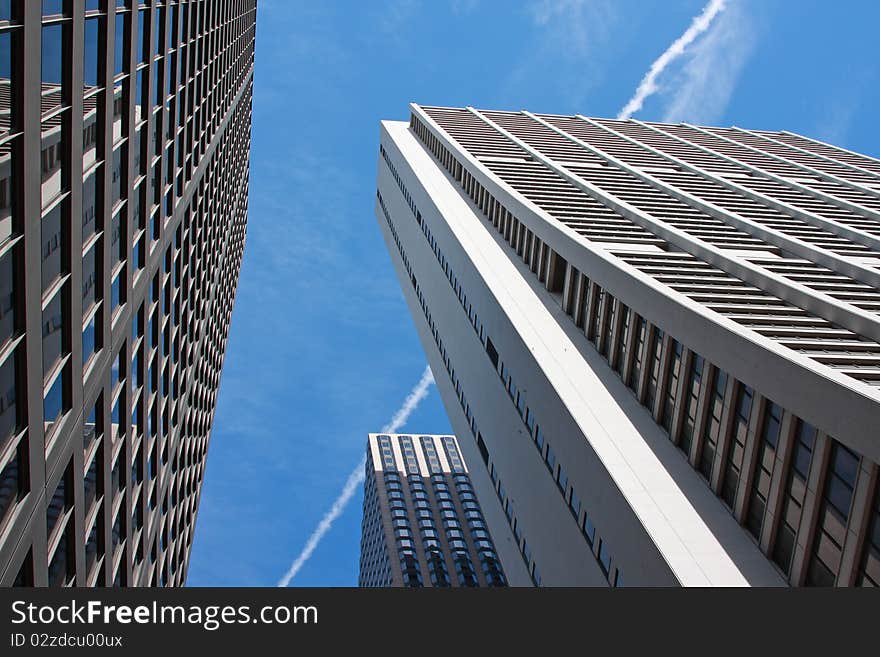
x,y
809,513
30,208
724,437
859,519
706,386
604,309
127,170
631,339
568,289
580,298
645,370
73,82
662,375
750,454
614,338
682,394
777,484
104,151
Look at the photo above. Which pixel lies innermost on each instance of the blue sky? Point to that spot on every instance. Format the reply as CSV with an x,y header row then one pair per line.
x,y
322,348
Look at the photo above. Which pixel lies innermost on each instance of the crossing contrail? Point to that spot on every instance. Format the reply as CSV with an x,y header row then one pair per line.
x,y
356,478
648,85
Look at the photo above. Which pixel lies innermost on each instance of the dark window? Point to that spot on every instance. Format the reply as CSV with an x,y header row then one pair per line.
x,y
7,298
692,397
636,369
736,449
12,481
869,574
833,516
8,405
713,425
655,353
769,439
607,325
598,299
671,385
620,350
493,353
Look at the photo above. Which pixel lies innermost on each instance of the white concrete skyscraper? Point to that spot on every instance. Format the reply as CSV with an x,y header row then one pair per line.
x,y
658,345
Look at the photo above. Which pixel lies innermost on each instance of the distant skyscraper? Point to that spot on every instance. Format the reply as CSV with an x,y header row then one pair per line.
x,y
662,341
422,522
124,146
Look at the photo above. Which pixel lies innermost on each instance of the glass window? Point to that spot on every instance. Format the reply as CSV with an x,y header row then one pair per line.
x,y
119,57
8,406
54,402
620,351
550,459
771,424
89,337
604,557
117,290
92,482
52,244
713,425
53,332
7,298
90,52
141,43
692,396
589,529
833,516
869,574
736,449
655,353
88,204
117,173
11,482
636,370
61,502
672,375
90,278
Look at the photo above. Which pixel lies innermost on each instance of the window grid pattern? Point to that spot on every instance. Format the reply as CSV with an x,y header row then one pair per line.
x,y
137,295
428,510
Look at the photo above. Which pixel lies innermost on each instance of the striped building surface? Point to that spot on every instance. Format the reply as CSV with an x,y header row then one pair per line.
x,y
663,341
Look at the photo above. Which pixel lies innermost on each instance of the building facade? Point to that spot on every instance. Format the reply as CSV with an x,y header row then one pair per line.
x,y
422,523
124,146
660,342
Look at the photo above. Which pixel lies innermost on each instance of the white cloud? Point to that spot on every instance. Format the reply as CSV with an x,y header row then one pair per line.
x,y
837,118
576,25
705,84
649,84
356,478
569,38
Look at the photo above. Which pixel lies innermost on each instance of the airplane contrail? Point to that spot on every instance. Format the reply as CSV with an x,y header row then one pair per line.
x,y
648,85
356,478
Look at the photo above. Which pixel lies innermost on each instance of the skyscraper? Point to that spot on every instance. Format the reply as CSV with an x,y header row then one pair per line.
x,y
422,523
124,141
660,341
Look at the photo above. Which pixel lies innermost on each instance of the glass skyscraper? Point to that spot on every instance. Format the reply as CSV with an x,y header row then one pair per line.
x,y
124,145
